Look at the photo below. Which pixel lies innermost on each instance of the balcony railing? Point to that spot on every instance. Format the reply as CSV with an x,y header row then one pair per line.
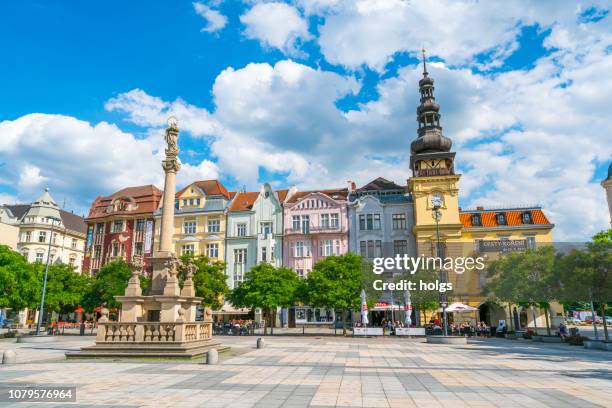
x,y
153,332
315,230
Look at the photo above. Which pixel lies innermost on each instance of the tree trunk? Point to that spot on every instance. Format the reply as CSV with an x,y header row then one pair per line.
x,y
273,322
594,322
605,326
510,317
535,325
344,322
546,315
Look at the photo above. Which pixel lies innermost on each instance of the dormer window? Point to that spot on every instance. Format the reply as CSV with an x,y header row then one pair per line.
x,y
527,218
501,219
476,220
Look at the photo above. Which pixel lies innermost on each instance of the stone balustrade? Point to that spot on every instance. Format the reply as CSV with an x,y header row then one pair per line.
x,y
153,332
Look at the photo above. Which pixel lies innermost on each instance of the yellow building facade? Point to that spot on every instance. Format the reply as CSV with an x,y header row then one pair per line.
x,y
441,227
199,219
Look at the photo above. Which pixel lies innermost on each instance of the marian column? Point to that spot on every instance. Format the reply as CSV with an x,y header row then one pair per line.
x,y
170,165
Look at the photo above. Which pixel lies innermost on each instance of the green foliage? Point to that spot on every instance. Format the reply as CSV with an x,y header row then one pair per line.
x,y
65,288
266,287
20,285
111,281
209,280
335,282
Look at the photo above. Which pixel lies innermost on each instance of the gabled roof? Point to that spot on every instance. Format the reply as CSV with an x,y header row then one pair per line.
x,y
210,187
243,201
381,184
513,217
282,194
146,197
334,194
18,210
73,222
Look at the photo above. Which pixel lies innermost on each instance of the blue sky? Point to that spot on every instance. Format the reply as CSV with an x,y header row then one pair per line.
x,y
311,93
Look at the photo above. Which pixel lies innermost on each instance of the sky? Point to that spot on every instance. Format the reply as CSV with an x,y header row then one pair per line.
x,y
311,93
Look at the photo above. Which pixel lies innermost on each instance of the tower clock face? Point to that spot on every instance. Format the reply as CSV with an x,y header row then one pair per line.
x,y
436,200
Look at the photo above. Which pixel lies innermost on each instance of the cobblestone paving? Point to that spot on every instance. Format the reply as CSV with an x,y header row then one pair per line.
x,y
325,372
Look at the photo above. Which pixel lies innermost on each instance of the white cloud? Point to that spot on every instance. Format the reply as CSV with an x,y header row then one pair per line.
x,y
30,177
276,25
215,21
76,159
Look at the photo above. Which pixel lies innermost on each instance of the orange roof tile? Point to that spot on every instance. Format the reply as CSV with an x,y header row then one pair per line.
x,y
210,187
146,197
513,218
243,201
282,194
342,194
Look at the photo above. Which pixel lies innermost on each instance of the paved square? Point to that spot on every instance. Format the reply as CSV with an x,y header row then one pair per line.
x,y
328,372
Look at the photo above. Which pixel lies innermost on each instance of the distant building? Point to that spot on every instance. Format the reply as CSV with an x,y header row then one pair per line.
x,y
607,185
42,222
316,226
9,231
120,226
199,219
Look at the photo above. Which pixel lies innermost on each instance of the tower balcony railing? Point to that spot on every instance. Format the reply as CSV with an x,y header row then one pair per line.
x,y
434,172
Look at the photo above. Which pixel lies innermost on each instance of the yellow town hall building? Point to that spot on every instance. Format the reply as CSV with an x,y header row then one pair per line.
x,y
434,187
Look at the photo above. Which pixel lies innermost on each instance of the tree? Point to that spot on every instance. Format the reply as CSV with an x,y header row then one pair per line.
x,y
110,281
268,288
20,286
335,282
65,288
209,280
527,278
585,274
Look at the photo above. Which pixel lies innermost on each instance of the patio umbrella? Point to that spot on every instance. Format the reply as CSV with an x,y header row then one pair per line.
x,y
407,309
364,308
460,307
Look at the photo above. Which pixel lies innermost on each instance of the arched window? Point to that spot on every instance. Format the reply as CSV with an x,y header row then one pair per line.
x,y
526,218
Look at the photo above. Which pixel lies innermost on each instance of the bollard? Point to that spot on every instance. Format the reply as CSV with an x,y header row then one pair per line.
x,y
212,357
260,343
9,357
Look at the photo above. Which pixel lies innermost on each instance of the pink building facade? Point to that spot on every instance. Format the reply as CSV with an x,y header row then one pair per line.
x,y
315,226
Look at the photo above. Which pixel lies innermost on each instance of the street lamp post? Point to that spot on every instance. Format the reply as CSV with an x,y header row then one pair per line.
x,y
443,303
42,299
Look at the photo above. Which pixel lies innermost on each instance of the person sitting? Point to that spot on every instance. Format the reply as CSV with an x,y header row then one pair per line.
x,y
563,331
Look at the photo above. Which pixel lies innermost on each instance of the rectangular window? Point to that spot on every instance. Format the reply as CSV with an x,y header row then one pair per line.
x,y
334,221
73,244
376,221
266,229
362,249
240,261
300,272
39,257
140,224
189,227
184,202
97,252
188,249
241,229
295,223
100,228
369,222
28,236
197,202
305,224
42,236
324,220
115,249
212,250
337,247
214,225
118,226
138,248
328,248
71,261
531,242
362,222
399,221
400,247
299,249
264,254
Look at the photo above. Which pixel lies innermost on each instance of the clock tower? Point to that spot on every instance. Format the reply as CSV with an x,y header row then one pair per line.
x,y
433,182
